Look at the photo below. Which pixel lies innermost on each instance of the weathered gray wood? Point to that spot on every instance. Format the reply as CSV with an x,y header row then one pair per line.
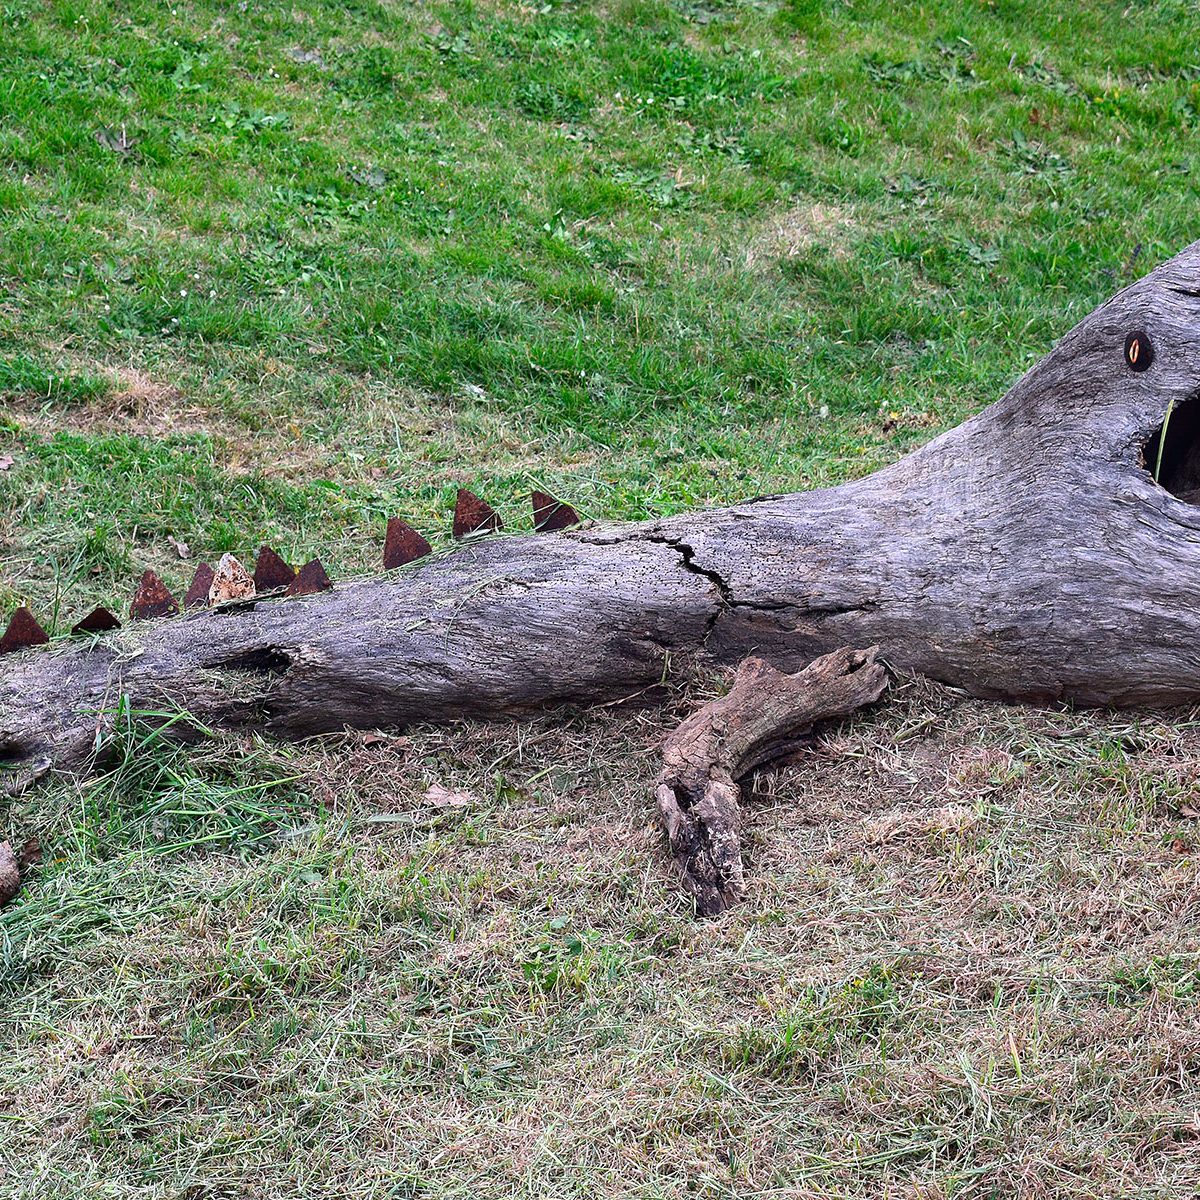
x,y
1027,554
761,719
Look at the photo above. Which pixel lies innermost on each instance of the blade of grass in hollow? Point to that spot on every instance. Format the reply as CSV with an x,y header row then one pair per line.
x,y
1162,439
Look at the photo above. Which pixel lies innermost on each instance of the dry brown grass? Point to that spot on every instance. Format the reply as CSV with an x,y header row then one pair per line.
x,y
136,404
800,229
435,439
967,967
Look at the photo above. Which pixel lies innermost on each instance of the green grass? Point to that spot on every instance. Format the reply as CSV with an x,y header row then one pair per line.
x,y
276,272
652,256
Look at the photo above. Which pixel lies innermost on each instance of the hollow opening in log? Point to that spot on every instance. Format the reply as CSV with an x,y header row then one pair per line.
x,y
265,660
1178,439
13,753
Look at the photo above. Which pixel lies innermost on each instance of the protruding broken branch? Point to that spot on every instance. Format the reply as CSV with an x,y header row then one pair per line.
x,y
10,874
14,865
762,719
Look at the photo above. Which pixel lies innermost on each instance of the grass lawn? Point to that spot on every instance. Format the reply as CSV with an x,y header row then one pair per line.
x,y
274,272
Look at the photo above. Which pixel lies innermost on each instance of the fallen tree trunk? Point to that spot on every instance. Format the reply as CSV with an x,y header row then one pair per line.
x,y
1028,554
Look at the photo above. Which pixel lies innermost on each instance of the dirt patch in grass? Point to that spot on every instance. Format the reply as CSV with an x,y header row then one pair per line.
x,y
138,404
366,431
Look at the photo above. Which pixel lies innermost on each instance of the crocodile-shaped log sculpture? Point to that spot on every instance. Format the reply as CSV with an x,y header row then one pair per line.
x,y
1043,550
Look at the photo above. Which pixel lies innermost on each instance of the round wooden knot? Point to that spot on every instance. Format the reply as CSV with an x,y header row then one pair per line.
x,y
1139,353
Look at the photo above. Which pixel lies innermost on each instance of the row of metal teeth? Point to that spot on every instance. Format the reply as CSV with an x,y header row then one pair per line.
x,y
229,580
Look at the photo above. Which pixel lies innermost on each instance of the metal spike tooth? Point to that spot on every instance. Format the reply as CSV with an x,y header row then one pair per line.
x,y
310,579
403,544
197,594
550,515
152,599
231,581
473,515
271,572
23,632
99,620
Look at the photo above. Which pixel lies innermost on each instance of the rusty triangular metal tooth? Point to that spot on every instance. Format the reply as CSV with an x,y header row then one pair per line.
x,y
310,579
23,631
231,581
99,620
271,572
403,544
197,594
472,515
152,599
550,515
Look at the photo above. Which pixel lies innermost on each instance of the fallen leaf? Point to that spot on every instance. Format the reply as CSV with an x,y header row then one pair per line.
x,y
371,177
31,854
6,461
392,741
119,142
181,548
437,796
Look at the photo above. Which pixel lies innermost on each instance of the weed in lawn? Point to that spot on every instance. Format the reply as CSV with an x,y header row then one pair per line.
x,y
816,1026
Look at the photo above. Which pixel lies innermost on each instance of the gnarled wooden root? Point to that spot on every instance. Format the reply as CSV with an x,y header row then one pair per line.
x,y
759,721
